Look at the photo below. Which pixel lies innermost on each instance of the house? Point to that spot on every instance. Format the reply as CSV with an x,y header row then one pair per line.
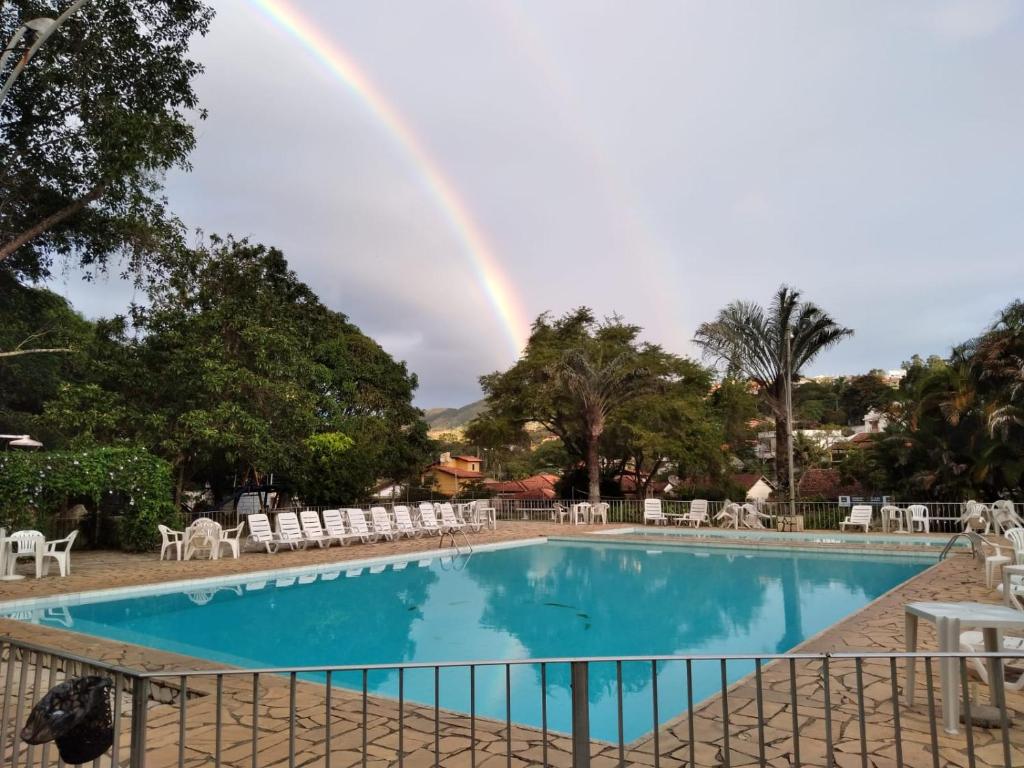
x,y
825,485
631,484
540,486
756,487
450,474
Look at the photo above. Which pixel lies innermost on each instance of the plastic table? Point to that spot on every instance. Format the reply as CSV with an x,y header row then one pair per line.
x,y
950,619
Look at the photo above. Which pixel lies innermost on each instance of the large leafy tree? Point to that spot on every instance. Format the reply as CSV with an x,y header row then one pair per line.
x,y
102,111
577,378
234,369
750,340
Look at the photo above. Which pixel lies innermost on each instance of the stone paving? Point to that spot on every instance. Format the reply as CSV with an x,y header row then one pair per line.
x,y
408,736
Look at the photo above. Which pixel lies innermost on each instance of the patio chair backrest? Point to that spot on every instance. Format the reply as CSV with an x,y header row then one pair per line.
x,y
652,509
448,515
334,523
860,514
25,541
259,527
403,519
381,521
699,508
428,517
310,519
918,512
203,534
1016,537
288,526
357,521
1004,516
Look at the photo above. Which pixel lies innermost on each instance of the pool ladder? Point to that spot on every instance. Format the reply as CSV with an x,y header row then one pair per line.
x,y
449,535
974,538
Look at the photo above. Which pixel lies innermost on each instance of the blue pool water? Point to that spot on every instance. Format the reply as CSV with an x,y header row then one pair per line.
x,y
542,600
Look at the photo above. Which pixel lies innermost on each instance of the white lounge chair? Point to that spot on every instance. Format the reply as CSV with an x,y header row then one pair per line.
x,y
203,537
170,539
26,545
289,532
260,532
449,522
382,523
59,550
334,524
232,539
696,515
973,641
918,517
653,512
313,530
358,526
859,517
404,523
428,520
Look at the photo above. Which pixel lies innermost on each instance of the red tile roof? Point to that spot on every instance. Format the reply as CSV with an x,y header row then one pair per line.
x,y
826,484
464,473
540,486
468,458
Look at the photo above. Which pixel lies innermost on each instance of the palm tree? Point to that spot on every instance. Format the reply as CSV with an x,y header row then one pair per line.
x,y
599,388
750,340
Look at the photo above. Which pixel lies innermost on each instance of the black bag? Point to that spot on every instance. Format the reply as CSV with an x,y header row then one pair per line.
x,y
75,714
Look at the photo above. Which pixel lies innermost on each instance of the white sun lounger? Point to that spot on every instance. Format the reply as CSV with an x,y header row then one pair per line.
x,y
428,520
449,522
696,515
335,525
859,517
653,512
404,523
289,532
382,523
260,532
358,525
313,531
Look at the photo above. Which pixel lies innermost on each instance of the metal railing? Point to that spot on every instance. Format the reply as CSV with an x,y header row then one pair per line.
x,y
698,710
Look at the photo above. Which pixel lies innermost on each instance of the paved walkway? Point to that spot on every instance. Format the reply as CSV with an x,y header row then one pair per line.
x,y
408,736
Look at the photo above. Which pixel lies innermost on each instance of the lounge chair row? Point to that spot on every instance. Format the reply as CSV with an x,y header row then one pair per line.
x,y
298,530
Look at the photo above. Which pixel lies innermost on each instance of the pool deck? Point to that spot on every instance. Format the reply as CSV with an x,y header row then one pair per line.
x,y
877,627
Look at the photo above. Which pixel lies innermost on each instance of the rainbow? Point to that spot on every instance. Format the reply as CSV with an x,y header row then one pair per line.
x,y
487,270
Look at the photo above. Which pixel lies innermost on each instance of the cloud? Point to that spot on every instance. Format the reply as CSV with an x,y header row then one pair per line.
x,y
971,19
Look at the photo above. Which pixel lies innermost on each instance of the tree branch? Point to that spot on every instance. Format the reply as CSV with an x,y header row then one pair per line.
x,y
18,352
52,220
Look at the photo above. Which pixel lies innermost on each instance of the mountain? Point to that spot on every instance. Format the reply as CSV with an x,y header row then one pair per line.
x,y
444,419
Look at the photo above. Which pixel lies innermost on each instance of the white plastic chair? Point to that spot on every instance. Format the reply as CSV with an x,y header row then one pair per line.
x,y
696,514
312,530
653,512
752,516
975,517
600,510
334,523
891,514
1016,538
170,539
260,532
1004,515
289,532
918,517
859,517
973,641
404,523
382,523
203,537
232,539
358,525
428,520
59,550
729,517
559,512
25,545
580,512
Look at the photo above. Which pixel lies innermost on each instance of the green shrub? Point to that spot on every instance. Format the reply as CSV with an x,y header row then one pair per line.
x,y
129,483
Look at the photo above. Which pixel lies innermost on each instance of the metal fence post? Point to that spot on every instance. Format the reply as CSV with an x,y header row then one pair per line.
x,y
580,715
140,709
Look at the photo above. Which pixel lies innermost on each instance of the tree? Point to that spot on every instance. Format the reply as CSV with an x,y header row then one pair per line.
x,y
750,340
234,369
576,376
103,110
861,394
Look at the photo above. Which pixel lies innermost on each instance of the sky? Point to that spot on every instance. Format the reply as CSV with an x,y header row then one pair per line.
x,y
443,172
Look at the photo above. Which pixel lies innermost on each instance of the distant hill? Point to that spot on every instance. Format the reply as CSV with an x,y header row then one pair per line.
x,y
442,419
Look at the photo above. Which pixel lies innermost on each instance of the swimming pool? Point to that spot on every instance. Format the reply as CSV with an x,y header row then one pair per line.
x,y
553,599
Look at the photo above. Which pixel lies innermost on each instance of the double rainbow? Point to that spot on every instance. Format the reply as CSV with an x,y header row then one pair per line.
x,y
486,268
